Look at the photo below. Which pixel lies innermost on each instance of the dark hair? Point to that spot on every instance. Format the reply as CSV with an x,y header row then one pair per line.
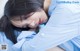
x,y
17,8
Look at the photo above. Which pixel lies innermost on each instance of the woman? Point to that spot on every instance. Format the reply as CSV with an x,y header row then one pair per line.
x,y
62,28
20,15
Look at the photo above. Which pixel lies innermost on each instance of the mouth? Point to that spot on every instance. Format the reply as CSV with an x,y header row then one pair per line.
x,y
40,21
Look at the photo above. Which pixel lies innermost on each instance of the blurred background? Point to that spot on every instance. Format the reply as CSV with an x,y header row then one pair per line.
x,y
2,4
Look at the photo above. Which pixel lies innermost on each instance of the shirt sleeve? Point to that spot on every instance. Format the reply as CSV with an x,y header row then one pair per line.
x,y
61,27
1,38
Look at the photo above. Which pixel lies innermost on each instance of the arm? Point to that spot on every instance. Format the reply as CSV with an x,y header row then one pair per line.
x,y
59,29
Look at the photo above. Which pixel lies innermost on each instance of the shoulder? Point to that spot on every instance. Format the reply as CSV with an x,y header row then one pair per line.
x,y
1,37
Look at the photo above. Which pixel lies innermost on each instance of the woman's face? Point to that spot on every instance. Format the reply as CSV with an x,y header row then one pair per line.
x,y
32,20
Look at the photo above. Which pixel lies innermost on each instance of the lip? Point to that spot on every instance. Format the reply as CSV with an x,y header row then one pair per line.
x,y
40,21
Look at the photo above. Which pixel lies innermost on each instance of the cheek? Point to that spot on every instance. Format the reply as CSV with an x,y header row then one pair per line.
x,y
17,24
44,18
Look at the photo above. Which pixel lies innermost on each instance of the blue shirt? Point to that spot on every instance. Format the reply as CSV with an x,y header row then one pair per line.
x,y
63,29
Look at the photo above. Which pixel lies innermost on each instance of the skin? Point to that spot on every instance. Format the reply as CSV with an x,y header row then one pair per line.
x,y
34,20
43,18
